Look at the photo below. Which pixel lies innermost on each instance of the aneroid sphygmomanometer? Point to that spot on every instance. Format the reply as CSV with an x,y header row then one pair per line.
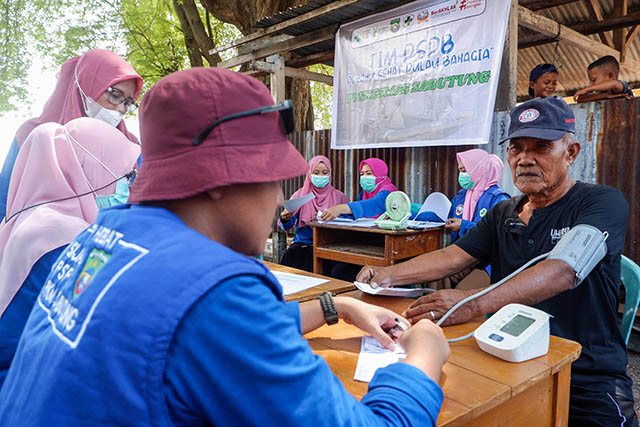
x,y
517,332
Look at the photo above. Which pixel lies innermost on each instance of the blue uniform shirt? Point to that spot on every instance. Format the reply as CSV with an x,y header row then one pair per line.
x,y
5,176
371,207
303,234
158,325
491,197
15,316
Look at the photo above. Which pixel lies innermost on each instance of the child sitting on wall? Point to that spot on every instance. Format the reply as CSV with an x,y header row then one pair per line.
x,y
603,78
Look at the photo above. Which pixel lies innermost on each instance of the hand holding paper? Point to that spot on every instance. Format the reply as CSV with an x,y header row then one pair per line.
x,y
293,205
394,292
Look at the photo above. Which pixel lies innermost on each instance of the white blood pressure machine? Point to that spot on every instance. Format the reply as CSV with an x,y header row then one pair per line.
x,y
516,332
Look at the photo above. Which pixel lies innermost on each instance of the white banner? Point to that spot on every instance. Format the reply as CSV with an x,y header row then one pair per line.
x,y
422,74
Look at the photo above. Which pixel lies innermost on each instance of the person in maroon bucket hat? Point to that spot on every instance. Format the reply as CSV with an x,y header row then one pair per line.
x,y
161,300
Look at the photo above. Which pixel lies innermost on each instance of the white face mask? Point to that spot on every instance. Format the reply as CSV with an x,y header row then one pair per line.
x,y
96,111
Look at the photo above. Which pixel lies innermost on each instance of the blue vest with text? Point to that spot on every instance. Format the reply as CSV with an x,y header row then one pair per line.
x,y
94,349
485,203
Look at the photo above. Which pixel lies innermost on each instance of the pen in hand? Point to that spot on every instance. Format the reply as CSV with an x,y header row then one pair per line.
x,y
398,327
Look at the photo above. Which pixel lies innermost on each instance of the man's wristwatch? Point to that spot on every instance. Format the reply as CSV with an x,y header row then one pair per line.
x,y
328,308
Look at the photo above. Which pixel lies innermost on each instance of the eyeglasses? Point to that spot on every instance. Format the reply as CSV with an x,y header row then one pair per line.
x,y
117,97
285,108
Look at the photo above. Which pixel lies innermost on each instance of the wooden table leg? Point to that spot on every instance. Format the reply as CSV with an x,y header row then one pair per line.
x,y
317,262
562,385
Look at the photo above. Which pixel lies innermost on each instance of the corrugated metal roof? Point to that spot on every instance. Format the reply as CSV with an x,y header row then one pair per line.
x,y
572,61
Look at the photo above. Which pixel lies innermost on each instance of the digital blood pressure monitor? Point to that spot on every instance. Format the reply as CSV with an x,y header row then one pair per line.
x,y
515,333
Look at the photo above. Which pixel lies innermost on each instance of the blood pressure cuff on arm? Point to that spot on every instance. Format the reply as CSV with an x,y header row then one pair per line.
x,y
582,248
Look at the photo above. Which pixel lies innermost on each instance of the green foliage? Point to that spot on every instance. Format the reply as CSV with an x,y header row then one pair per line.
x,y
322,98
146,32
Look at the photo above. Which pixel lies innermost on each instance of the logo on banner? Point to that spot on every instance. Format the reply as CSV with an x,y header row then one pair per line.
x,y
395,25
528,115
408,21
423,16
446,10
470,4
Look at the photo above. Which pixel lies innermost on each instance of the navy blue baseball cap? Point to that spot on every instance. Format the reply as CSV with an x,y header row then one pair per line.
x,y
539,70
544,118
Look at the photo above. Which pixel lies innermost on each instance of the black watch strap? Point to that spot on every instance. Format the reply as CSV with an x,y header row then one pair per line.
x,y
328,308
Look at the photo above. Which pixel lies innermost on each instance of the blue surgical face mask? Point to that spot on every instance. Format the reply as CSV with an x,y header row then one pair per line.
x,y
464,179
368,183
118,198
320,181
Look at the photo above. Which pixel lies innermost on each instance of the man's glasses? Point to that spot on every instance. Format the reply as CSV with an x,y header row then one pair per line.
x,y
285,108
117,97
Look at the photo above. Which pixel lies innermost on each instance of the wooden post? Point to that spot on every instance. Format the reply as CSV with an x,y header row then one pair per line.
x,y
277,85
277,77
507,85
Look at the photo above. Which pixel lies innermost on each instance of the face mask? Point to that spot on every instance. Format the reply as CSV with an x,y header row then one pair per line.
x,y
368,183
464,179
118,198
96,111
320,181
112,117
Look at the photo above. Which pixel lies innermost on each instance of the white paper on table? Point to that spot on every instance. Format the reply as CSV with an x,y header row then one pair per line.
x,y
360,222
437,203
392,292
373,356
293,205
422,225
292,283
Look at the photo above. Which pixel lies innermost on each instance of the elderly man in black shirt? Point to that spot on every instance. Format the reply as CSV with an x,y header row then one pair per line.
x,y
540,151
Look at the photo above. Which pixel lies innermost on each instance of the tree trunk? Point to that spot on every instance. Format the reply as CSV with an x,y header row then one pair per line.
x,y
205,44
244,14
195,59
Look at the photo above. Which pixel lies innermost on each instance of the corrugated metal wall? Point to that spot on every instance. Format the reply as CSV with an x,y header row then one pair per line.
x,y
619,160
608,131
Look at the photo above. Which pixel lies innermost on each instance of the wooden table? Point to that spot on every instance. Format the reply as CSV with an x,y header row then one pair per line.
x,y
479,389
333,285
372,246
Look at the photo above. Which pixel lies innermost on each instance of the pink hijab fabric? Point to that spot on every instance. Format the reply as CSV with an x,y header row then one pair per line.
x,y
51,166
325,197
485,170
97,70
380,171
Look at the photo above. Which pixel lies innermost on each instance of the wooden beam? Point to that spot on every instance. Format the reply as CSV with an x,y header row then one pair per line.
x,y
276,77
550,28
544,4
609,23
508,79
314,58
620,9
295,73
630,35
286,24
306,39
596,10
262,43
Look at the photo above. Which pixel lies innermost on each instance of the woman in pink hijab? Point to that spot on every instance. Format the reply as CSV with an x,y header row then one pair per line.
x,y
370,203
98,84
479,173
318,182
59,174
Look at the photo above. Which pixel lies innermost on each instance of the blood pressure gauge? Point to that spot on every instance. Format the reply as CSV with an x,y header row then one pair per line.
x,y
515,333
